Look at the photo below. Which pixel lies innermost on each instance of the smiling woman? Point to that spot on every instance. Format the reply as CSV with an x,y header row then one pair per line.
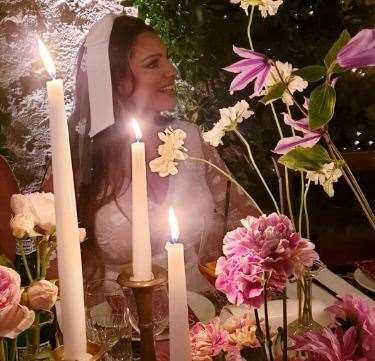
x,y
124,72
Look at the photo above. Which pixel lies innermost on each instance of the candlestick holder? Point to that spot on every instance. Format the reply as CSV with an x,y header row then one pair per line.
x,y
143,291
95,351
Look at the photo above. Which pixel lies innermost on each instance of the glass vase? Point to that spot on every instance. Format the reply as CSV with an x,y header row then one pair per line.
x,y
305,321
37,339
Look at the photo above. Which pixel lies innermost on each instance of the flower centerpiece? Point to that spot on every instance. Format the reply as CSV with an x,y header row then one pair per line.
x,y
261,255
26,296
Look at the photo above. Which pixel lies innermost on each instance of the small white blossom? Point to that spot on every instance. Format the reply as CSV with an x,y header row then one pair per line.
x,y
266,7
214,135
169,152
229,119
269,7
325,176
294,82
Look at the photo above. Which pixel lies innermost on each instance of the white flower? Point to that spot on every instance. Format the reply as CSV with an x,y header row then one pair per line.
x,y
169,152
266,7
22,225
214,135
294,82
269,7
229,118
325,176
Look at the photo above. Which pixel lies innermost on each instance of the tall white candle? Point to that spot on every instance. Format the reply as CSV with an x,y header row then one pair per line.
x,y
68,245
141,246
179,338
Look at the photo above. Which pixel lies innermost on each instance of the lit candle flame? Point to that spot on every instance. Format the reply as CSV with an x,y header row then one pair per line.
x,y
47,59
137,130
175,232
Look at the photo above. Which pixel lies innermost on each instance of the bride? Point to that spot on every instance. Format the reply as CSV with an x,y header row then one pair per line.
x,y
124,72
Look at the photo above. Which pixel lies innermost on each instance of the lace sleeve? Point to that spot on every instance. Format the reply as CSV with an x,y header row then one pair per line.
x,y
230,201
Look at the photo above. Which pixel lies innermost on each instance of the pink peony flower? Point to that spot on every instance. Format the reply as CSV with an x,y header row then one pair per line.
x,y
241,280
354,311
282,249
39,206
42,295
14,318
207,340
327,345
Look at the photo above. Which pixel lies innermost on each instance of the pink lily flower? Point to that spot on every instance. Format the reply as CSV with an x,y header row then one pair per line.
x,y
328,345
308,140
359,52
253,66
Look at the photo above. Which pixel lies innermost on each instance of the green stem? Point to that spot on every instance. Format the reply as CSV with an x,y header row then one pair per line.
x,y
266,320
244,141
249,27
350,174
231,179
307,221
38,253
277,121
301,205
285,327
29,276
351,181
36,334
13,349
286,172
2,350
290,115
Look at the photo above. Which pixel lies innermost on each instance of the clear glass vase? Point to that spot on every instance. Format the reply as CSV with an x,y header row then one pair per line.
x,y
305,321
37,339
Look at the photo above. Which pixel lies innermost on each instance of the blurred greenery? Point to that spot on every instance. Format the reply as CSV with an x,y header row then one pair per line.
x,y
199,35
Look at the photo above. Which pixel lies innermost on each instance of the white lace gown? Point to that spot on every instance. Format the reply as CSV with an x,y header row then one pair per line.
x,y
197,194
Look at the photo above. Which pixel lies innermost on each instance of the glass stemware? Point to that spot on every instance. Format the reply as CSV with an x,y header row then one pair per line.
x,y
107,319
159,305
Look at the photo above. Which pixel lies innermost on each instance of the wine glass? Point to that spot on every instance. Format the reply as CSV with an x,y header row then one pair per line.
x,y
159,309
107,319
210,248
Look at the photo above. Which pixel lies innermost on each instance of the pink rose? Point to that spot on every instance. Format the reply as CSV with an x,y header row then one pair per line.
x,y
40,206
42,295
14,318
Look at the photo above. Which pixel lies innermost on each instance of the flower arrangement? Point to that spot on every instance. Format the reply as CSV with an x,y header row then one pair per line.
x,y
349,337
261,255
22,308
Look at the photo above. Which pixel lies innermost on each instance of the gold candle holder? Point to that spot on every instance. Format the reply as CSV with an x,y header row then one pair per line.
x,y
93,349
143,293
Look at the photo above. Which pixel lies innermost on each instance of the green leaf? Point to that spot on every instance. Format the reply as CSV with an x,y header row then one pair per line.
x,y
274,93
311,73
305,159
321,106
343,39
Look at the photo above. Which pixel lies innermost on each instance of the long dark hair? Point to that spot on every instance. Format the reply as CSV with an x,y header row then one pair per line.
x,y
106,153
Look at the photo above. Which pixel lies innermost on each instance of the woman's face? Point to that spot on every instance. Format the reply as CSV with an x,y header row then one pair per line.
x,y
154,76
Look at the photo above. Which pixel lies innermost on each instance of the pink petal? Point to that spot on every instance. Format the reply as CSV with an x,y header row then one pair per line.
x,y
287,144
243,79
249,54
261,79
302,125
242,65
